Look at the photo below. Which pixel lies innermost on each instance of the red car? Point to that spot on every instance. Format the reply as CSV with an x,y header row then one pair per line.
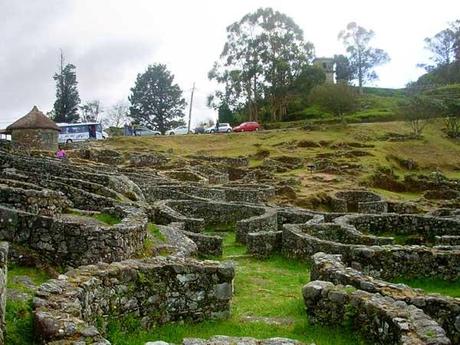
x,y
247,127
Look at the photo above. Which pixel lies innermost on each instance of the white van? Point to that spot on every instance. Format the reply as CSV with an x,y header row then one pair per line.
x,y
73,132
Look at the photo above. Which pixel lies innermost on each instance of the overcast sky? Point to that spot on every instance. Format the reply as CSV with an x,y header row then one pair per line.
x,y
110,41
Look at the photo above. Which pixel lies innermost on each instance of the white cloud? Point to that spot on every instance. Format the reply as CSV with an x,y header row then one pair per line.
x,y
110,41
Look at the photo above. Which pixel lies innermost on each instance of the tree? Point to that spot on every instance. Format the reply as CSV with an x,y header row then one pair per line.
x,y
338,99
301,87
452,119
444,46
225,115
156,101
91,111
264,53
67,98
419,110
363,58
116,115
343,69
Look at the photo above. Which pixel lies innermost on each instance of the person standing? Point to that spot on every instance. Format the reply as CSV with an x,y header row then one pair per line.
x,y
60,153
217,125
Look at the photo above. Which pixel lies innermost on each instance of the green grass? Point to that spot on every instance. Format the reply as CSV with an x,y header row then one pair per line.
x,y
107,218
431,285
263,288
215,228
406,239
19,320
155,232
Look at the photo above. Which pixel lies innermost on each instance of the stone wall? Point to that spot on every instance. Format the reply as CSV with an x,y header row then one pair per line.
x,y
37,201
386,261
267,222
358,201
381,320
42,168
251,193
155,193
444,310
157,291
84,195
263,244
206,244
230,161
405,224
73,240
3,279
35,139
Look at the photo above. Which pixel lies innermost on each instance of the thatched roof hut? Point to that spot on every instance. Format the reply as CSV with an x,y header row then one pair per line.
x,y
34,131
35,119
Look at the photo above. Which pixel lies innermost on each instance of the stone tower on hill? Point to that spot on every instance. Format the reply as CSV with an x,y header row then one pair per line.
x,y
327,65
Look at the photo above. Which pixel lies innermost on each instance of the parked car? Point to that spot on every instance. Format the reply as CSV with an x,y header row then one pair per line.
x,y
145,132
199,130
247,127
178,131
223,128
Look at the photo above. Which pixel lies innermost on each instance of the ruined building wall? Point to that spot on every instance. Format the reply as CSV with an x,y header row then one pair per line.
x,y
156,290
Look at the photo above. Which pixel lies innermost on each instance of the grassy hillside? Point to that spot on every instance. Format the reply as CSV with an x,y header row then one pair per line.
x,y
375,105
355,151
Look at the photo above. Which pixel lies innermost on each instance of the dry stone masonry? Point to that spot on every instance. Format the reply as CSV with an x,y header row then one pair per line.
x,y
162,214
158,290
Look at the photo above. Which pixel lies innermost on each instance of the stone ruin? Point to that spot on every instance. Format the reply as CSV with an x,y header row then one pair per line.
x,y
50,208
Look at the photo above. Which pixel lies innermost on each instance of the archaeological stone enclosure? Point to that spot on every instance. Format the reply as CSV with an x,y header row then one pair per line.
x,y
52,209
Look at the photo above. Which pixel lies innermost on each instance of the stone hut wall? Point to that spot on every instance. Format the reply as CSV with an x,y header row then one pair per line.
x,y
157,291
405,224
42,167
444,310
84,195
3,277
248,192
386,261
266,222
75,243
35,139
265,243
382,320
358,201
43,202
155,193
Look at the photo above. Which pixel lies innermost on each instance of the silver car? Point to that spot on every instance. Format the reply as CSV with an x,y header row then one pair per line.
x,y
145,132
223,128
181,130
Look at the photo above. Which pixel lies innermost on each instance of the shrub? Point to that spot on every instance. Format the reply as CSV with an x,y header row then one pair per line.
x,y
338,99
419,110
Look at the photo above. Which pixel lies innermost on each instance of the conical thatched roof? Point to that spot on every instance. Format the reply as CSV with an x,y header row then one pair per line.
x,y
33,120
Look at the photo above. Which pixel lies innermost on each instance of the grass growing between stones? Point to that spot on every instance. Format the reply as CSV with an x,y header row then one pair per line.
x,y
19,321
155,232
267,303
107,218
430,285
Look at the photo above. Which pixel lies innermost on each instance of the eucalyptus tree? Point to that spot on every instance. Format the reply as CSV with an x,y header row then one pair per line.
x,y
264,53
362,57
444,46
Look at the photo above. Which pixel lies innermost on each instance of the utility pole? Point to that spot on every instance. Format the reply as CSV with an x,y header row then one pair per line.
x,y
190,109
